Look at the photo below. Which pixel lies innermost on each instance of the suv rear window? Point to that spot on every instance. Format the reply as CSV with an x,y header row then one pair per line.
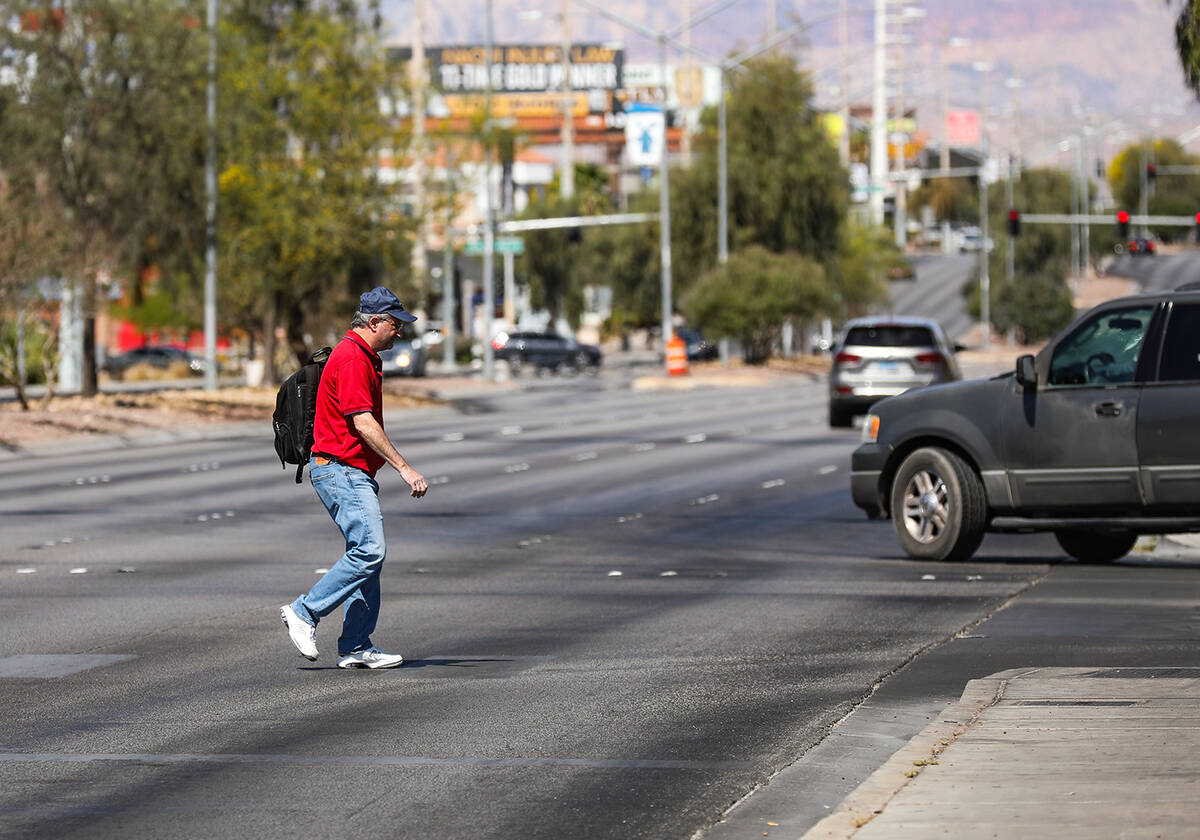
x,y
890,335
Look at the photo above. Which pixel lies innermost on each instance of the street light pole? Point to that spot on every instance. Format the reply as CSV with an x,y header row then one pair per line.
x,y
567,180
664,204
489,226
879,115
210,209
722,178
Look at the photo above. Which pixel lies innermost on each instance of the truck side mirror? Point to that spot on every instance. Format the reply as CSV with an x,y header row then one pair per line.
x,y
1026,371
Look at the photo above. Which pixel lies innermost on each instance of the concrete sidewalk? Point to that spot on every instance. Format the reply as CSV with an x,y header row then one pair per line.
x,y
1042,753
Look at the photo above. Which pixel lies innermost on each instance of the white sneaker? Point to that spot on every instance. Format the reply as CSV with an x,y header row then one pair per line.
x,y
372,657
304,635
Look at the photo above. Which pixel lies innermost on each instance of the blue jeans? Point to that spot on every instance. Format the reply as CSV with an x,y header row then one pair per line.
x,y
352,499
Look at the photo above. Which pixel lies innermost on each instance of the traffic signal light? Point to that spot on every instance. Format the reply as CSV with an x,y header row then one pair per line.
x,y
1151,172
1122,225
1198,227
1014,223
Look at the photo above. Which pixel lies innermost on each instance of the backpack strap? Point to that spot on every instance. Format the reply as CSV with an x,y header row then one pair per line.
x,y
299,473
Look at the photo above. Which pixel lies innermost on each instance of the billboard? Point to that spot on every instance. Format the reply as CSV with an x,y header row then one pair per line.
x,y
962,128
526,79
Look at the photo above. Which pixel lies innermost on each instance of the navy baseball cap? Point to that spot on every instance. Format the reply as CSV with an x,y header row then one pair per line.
x,y
380,301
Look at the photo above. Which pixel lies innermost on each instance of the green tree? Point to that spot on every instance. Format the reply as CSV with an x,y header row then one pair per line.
x,y
787,190
552,258
787,193
952,199
306,223
34,244
867,256
1037,303
750,296
1169,195
109,107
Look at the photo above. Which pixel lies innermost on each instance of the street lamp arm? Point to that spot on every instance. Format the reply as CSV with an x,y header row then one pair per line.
x,y
786,34
640,28
702,15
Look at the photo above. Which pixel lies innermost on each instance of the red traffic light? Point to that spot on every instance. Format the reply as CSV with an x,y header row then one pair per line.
x,y
1198,218
1123,217
1014,222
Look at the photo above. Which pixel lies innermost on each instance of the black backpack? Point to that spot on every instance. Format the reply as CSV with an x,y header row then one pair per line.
x,y
295,411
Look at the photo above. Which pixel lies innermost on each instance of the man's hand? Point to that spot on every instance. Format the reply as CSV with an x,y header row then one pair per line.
x,y
415,480
370,431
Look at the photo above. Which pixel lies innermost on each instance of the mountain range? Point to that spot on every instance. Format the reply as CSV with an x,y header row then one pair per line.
x,y
1109,65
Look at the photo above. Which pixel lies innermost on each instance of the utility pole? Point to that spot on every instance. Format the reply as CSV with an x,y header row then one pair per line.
x,y
567,178
210,209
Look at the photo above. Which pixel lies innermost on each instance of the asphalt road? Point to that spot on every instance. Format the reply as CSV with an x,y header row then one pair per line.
x,y
622,612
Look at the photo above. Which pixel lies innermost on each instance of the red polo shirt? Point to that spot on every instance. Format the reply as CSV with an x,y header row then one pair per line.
x,y
351,383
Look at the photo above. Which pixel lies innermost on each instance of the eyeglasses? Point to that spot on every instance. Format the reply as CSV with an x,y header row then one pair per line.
x,y
390,320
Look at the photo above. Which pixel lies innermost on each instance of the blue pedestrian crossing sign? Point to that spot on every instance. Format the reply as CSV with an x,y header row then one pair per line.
x,y
644,136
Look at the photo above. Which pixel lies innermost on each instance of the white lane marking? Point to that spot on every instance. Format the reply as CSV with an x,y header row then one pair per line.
x,y
704,500
621,520
774,482
319,571
587,456
644,447
510,430
79,571
615,573
229,514
453,437
698,438
441,479
201,518
826,470
928,577
668,574
974,577
515,468
27,571
126,570
67,540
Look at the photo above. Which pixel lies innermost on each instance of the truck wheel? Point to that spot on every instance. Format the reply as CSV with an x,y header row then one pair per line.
x,y
939,509
1095,546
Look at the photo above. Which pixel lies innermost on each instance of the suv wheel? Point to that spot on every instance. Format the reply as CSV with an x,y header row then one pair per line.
x,y
1095,547
938,506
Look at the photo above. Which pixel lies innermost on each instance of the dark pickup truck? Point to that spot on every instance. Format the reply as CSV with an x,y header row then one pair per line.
x,y
1097,439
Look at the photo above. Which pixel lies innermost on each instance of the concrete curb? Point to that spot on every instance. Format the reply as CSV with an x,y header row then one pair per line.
x,y
84,444
872,796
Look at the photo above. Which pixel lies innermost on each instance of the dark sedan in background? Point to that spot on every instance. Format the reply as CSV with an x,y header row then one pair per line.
x,y
546,351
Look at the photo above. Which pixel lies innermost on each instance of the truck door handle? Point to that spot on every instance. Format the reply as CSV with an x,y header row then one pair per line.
x,y
1109,409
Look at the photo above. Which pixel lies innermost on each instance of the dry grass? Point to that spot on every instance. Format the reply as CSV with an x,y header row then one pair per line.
x,y
129,413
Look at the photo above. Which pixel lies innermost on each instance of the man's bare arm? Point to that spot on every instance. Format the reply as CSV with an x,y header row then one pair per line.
x,y
368,428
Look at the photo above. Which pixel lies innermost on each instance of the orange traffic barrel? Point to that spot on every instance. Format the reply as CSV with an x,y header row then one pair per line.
x,y
677,361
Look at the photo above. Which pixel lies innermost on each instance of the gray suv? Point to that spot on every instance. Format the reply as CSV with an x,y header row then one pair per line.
x,y
1094,439
884,356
